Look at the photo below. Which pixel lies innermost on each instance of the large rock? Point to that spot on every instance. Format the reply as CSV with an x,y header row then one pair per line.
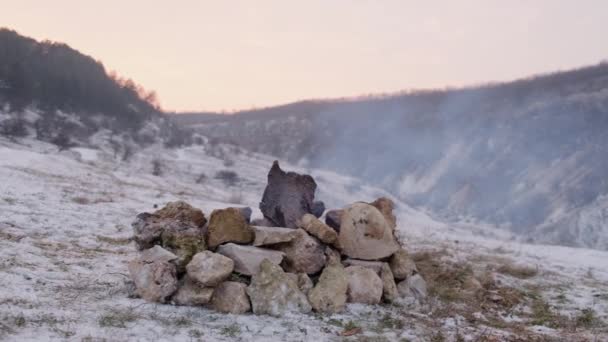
x,y
333,219
192,293
364,285
315,227
247,259
390,293
231,297
402,265
329,295
304,254
375,266
274,293
272,235
183,212
414,286
155,281
386,206
178,227
228,225
364,233
287,196
210,269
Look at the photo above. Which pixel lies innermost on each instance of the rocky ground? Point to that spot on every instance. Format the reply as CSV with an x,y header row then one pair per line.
x,y
66,240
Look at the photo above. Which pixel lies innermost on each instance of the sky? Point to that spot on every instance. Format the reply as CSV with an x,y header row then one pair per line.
x,y
227,55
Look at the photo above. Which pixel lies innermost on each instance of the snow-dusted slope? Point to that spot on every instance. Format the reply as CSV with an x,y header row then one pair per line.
x,y
65,241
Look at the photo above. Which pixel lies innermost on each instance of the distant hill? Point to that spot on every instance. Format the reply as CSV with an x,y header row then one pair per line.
x,y
55,92
529,155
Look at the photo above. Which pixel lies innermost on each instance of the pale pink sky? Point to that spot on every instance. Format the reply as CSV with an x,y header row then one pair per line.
x,y
211,55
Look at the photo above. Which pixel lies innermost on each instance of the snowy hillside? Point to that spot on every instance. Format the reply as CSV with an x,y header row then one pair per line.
x,y
65,240
525,155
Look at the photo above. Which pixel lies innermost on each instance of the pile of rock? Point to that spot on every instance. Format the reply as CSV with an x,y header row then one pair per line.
x,y
289,261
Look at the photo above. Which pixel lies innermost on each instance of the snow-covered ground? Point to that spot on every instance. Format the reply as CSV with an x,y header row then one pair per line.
x,y
65,242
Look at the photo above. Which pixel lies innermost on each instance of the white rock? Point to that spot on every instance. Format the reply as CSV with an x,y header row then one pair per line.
x,y
364,285
209,269
365,234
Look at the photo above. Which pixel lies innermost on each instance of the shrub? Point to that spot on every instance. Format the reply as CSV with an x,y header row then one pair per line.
x,y
230,178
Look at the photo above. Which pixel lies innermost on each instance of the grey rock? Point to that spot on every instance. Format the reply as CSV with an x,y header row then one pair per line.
x,y
288,196
231,297
154,281
274,293
318,208
364,285
304,254
192,293
210,269
272,235
414,286
247,259
365,234
329,295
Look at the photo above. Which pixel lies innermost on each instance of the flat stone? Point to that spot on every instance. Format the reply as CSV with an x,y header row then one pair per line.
x,y
228,225
231,297
287,196
329,295
365,234
316,228
210,269
364,285
247,259
191,293
304,254
157,253
274,293
272,235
